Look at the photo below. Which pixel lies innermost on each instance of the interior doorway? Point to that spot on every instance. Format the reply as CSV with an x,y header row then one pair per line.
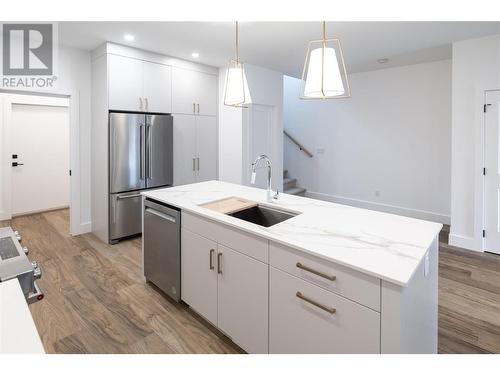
x,y
35,135
492,172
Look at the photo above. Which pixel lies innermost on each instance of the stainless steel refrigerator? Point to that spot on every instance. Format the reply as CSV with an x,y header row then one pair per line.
x,y
140,157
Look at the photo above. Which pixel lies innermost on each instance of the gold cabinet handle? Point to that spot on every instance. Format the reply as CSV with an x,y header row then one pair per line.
x,y
219,263
319,273
331,310
212,251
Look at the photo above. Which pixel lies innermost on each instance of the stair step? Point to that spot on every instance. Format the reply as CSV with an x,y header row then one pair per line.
x,y
289,183
296,191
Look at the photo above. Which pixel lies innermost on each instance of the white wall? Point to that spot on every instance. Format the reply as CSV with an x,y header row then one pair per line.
x,y
393,136
476,68
266,88
74,81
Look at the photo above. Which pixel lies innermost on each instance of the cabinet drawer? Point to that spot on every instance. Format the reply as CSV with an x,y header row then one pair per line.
x,y
300,326
349,283
253,246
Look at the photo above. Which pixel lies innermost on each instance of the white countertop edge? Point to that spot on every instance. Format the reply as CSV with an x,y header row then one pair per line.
x,y
247,227
18,333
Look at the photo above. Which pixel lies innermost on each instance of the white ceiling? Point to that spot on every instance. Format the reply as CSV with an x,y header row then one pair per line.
x,y
282,45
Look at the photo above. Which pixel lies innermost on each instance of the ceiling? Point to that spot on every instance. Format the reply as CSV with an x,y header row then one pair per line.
x,y
282,45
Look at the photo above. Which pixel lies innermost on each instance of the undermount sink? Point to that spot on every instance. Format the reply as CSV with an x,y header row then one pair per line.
x,y
264,216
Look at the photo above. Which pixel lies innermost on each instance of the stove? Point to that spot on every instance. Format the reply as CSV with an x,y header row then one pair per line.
x,y
14,263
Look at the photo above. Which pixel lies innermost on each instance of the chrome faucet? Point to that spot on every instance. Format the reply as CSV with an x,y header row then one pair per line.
x,y
270,196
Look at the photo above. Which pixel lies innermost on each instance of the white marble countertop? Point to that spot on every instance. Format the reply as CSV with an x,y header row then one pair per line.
x,y
387,246
18,333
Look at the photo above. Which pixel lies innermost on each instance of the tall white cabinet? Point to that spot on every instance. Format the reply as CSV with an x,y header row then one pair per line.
x,y
127,79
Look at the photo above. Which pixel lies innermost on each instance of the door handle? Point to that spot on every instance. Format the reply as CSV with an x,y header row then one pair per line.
x,y
198,108
194,164
128,196
143,152
161,214
331,310
194,108
212,251
16,164
140,103
150,152
219,263
147,103
198,161
319,273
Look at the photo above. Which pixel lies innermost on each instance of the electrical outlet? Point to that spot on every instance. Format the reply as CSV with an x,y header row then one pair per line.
x,y
377,193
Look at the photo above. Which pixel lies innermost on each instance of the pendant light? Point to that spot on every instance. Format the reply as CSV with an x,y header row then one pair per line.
x,y
324,73
236,93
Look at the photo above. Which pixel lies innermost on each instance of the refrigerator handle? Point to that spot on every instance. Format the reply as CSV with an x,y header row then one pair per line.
x,y
150,152
142,151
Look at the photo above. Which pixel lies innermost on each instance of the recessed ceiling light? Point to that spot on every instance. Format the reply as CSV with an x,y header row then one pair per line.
x,y
129,37
195,55
383,60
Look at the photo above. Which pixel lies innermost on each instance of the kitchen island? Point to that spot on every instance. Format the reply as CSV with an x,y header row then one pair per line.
x,y
331,279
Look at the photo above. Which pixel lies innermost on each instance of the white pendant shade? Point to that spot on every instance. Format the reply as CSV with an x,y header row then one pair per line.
x,y
323,75
236,92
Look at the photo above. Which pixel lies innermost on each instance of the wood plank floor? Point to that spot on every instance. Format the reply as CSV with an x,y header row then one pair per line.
x,y
96,300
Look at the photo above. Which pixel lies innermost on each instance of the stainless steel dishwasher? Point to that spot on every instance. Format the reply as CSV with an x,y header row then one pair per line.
x,y
162,247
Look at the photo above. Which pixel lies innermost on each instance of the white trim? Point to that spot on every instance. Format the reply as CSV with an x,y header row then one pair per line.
x,y
397,210
464,242
84,228
72,103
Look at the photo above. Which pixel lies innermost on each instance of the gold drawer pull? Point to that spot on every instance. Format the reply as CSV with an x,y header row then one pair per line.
x,y
331,310
319,273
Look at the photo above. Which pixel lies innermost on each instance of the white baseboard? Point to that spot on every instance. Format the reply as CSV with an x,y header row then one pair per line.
x,y
464,242
83,228
397,210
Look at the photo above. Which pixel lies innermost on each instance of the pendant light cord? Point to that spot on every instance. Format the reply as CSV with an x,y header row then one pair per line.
x,y
237,43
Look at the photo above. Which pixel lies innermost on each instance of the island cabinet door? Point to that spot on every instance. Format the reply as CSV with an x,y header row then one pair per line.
x,y
243,299
199,274
305,318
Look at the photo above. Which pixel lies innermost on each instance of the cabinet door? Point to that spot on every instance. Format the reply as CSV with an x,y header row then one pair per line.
x,y
184,149
243,299
184,87
206,94
206,145
199,274
157,87
301,325
125,83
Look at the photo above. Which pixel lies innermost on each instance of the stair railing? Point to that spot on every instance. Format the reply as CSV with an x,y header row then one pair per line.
x,y
299,145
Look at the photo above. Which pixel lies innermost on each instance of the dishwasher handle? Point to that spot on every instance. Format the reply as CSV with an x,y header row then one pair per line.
x,y
161,214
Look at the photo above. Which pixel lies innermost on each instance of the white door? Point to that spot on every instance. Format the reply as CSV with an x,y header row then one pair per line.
x,y
157,87
492,177
206,94
260,139
206,145
184,87
199,274
39,137
125,83
184,149
243,300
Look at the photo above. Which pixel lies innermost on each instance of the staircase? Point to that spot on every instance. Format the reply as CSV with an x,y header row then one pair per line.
x,y
290,185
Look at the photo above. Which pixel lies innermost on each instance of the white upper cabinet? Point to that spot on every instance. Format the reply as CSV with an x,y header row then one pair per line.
x,y
125,83
194,93
157,90
140,86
